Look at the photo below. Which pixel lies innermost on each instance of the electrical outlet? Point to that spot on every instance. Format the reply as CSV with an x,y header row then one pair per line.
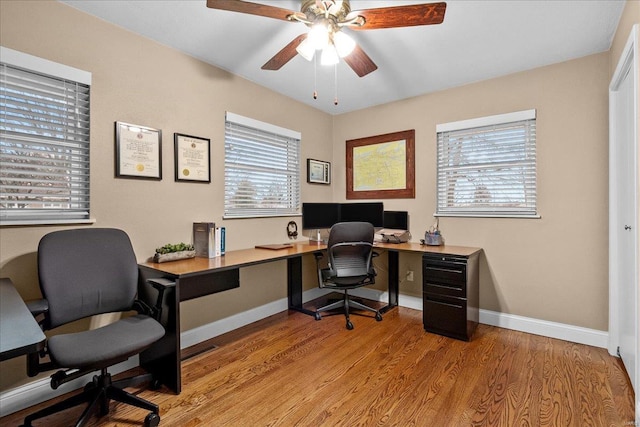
x,y
410,275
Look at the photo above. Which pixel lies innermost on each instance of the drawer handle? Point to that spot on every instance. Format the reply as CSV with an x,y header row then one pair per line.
x,y
445,303
446,270
457,288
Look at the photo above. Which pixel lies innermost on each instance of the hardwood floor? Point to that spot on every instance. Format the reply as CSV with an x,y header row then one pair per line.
x,y
289,370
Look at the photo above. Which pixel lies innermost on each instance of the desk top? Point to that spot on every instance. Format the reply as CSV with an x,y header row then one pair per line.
x,y
252,256
19,330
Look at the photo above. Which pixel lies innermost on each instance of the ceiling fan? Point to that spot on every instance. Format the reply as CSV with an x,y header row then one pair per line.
x,y
326,19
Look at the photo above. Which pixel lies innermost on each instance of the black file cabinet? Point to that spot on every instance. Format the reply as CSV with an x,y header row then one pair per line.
x,y
450,296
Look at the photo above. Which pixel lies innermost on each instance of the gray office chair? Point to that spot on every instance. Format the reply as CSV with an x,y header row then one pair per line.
x,y
85,272
350,253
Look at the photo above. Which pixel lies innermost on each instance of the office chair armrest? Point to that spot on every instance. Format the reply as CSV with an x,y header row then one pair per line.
x,y
38,307
161,285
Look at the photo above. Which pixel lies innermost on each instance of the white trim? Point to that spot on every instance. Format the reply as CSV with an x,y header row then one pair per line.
x,y
41,65
629,62
487,121
263,126
562,331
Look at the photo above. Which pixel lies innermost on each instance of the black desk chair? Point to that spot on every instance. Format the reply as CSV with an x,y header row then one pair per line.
x,y
82,273
350,253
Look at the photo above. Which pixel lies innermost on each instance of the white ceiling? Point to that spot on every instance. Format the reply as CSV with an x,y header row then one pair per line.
x,y
478,40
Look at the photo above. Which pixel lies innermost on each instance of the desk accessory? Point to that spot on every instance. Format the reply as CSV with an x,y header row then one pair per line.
x,y
175,252
432,236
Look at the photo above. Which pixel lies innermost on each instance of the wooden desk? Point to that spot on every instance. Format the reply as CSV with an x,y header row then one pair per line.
x,y
19,331
197,277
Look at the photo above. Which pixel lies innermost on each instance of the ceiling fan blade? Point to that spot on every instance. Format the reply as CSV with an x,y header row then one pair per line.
x,y
360,62
400,16
252,8
285,55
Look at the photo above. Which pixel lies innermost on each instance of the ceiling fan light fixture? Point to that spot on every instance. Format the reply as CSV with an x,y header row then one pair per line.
x,y
344,43
319,36
306,49
329,56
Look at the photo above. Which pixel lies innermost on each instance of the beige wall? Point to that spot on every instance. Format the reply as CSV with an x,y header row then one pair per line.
x,y
142,82
553,268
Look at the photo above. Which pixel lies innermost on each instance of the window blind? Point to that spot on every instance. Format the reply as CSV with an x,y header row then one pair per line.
x,y
44,147
262,169
487,167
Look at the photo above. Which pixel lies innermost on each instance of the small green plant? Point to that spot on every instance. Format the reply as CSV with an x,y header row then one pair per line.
x,y
179,247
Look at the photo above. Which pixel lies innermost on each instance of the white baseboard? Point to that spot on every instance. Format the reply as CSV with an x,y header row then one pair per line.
x,y
38,391
577,334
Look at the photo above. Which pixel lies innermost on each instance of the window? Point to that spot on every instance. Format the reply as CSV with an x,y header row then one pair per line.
x,y
262,169
487,166
44,141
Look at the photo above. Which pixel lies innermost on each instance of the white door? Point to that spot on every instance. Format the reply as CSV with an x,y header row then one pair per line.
x,y
623,213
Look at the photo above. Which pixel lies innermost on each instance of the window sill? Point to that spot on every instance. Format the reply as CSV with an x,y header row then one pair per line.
x,y
487,215
42,222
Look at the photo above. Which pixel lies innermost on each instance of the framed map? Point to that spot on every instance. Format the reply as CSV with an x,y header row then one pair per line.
x,y
382,166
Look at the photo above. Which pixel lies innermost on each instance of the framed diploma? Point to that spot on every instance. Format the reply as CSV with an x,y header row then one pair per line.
x,y
318,172
138,152
192,158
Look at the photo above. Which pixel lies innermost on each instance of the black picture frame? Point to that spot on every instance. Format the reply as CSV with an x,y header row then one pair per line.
x,y
138,151
318,172
192,158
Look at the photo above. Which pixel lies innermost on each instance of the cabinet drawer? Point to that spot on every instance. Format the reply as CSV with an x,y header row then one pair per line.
x,y
457,290
435,271
445,316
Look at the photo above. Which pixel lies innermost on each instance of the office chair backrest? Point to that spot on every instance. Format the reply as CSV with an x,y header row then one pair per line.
x,y
350,247
84,272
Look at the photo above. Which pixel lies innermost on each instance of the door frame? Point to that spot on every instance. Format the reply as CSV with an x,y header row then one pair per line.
x,y
628,63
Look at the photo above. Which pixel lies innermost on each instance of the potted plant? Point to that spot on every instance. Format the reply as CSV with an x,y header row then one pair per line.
x,y
173,252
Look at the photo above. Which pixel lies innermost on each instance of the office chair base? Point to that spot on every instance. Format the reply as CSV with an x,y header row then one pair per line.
x,y
100,392
346,302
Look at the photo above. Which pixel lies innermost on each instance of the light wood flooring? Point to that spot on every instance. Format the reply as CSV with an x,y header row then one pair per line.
x,y
290,370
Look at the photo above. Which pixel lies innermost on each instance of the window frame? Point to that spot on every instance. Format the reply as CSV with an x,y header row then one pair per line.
x,y
74,150
525,165
276,138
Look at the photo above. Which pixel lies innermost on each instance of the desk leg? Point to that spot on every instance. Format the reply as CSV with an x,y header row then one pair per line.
x,y
294,285
393,262
162,359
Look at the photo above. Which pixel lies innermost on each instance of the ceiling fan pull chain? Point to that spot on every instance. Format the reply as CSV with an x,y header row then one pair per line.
x,y
315,80
335,84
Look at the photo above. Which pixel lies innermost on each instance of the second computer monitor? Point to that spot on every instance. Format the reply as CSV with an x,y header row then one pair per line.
x,y
365,212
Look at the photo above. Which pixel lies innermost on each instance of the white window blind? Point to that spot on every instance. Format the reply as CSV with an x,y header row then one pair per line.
x,y
487,166
262,169
44,141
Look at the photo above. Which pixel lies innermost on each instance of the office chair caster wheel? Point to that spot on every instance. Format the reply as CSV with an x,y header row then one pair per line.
x,y
155,384
349,325
378,317
317,316
152,420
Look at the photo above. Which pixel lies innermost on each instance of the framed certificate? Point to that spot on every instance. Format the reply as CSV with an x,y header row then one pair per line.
x,y
138,152
318,172
192,158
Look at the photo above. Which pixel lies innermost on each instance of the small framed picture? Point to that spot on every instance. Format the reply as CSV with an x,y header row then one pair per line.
x,y
192,158
318,172
138,152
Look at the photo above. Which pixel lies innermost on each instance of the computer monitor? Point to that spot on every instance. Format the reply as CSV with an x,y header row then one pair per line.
x,y
397,220
366,212
316,216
